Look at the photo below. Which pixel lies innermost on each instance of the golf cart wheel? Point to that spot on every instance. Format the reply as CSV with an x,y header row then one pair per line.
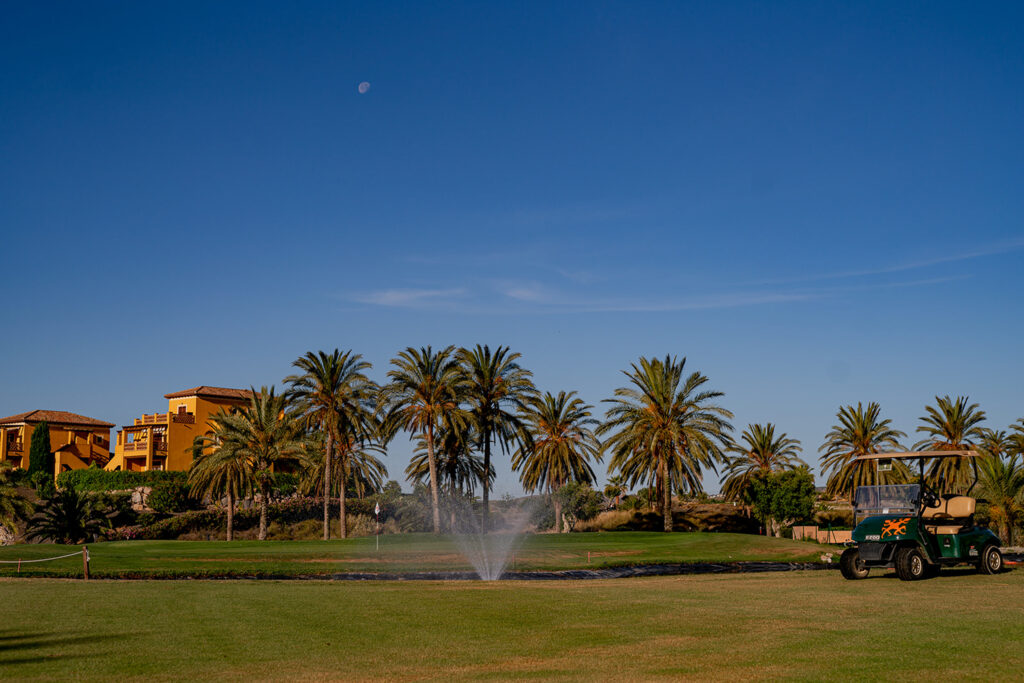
x,y
991,560
910,564
851,566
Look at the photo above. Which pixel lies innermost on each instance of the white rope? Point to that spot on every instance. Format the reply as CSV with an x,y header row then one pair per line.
x,y
45,559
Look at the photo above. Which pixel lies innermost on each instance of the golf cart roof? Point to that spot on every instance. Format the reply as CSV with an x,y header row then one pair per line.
x,y
913,455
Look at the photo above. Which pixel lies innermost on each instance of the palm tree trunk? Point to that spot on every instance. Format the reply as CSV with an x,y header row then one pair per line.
x,y
343,520
264,496
328,456
231,513
666,490
486,523
435,499
558,514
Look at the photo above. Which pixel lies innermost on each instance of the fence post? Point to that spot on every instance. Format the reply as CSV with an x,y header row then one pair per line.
x,y
85,561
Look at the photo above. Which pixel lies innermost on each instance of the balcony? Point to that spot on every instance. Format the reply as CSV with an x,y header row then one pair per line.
x,y
159,446
154,419
16,446
183,418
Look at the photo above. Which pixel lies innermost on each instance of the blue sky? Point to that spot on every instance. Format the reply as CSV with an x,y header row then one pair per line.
x,y
816,204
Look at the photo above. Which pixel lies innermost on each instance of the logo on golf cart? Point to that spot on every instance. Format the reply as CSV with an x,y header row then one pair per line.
x,y
894,527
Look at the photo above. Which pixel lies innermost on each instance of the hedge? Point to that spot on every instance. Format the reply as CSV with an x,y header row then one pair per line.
x,y
285,512
96,479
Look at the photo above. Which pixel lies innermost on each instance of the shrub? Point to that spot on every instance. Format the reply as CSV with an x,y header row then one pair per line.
x,y
543,514
169,496
68,517
97,479
42,482
579,503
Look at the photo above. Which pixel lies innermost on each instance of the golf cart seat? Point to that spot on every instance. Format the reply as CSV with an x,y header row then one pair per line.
x,y
951,516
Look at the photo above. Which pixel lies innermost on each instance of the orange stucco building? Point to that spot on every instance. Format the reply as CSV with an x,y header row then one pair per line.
x,y
77,441
163,441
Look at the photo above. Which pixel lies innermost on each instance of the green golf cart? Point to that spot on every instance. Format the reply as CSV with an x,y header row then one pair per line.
x,y
915,529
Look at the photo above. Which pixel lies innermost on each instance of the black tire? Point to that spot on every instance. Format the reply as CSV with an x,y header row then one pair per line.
x,y
910,564
991,560
851,566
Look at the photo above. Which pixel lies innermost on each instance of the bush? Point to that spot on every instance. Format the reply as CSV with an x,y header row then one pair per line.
x,y
97,479
42,482
579,503
169,496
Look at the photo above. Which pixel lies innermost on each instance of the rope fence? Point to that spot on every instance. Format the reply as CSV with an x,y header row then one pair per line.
x,y
84,552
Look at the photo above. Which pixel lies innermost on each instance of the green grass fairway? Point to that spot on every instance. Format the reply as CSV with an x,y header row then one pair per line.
x,y
803,625
402,553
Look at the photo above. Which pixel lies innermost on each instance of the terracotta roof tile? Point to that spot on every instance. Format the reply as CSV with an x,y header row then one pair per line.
x,y
212,392
55,417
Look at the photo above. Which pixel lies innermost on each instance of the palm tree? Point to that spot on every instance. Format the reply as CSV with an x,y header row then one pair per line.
x,y
424,393
860,431
265,435
763,452
458,468
560,446
1016,440
12,504
333,396
496,389
68,517
1002,484
219,470
358,466
951,425
665,428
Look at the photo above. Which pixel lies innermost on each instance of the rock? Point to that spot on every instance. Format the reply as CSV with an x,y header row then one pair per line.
x,y
6,536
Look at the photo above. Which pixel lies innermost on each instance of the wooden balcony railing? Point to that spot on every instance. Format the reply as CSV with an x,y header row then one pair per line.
x,y
183,418
155,418
15,446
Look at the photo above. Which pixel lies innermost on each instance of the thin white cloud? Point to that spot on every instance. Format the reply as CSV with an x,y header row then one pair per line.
x,y
994,249
408,296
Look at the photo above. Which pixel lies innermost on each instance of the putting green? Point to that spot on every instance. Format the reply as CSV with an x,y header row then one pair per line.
x,y
403,553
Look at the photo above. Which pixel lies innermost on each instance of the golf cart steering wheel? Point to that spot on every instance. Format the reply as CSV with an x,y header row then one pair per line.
x,y
929,498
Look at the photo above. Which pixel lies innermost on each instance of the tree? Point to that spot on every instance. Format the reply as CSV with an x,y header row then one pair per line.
x,y
762,452
665,429
219,470
12,504
578,502
334,396
779,498
860,431
496,390
1002,484
1016,439
358,467
615,487
40,457
459,470
68,517
265,435
951,425
560,445
424,393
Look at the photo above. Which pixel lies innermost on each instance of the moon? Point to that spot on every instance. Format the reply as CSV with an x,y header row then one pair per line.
x,y
364,87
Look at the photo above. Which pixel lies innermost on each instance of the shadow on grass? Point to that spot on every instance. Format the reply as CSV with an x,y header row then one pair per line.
x,y
44,646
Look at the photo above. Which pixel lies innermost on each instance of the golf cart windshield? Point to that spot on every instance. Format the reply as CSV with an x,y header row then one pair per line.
x,y
891,499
